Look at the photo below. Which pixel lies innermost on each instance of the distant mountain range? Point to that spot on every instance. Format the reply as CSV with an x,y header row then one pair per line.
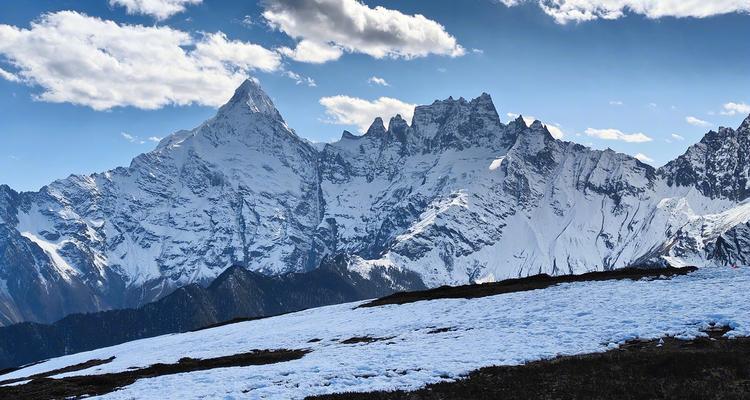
x,y
457,196
235,293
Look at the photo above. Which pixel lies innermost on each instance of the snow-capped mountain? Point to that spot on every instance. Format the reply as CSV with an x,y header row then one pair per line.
x,y
455,196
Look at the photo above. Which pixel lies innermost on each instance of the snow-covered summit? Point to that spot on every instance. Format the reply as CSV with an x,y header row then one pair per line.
x,y
250,97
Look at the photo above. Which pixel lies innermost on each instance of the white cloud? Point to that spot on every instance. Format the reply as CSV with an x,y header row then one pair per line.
x,y
643,158
301,80
247,20
555,131
615,103
564,11
697,122
312,52
8,76
327,28
155,139
101,64
345,110
477,51
677,137
528,120
159,9
733,108
132,138
614,134
374,80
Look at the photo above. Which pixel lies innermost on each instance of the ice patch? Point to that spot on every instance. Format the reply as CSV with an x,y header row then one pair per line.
x,y
496,163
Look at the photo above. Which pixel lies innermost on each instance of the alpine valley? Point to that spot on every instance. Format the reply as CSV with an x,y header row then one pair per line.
x,y
455,196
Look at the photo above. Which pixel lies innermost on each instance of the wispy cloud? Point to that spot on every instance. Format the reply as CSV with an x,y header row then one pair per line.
x,y
677,137
300,80
643,158
138,140
248,21
8,76
374,80
131,138
564,11
697,122
615,134
615,103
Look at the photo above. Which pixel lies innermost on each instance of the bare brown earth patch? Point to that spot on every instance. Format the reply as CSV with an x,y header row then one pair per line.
x,y
704,368
364,339
91,385
523,284
70,368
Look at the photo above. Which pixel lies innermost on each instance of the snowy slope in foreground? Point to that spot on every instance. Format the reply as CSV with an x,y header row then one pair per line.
x,y
500,330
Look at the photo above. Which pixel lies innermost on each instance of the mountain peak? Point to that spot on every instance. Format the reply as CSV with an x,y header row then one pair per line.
x,y
249,96
377,128
745,125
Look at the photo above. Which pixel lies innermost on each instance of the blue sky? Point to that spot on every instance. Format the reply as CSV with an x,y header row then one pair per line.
x,y
650,79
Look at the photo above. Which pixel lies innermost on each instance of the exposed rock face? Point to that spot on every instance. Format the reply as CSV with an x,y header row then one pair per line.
x,y
718,166
456,196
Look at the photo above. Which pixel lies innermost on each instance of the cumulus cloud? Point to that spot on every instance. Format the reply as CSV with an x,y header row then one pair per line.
x,y
731,108
98,63
374,80
345,110
615,134
159,9
564,11
643,158
697,122
327,28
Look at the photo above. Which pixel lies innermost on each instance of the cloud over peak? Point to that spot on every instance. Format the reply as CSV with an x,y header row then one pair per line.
x,y
327,28
345,110
101,64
